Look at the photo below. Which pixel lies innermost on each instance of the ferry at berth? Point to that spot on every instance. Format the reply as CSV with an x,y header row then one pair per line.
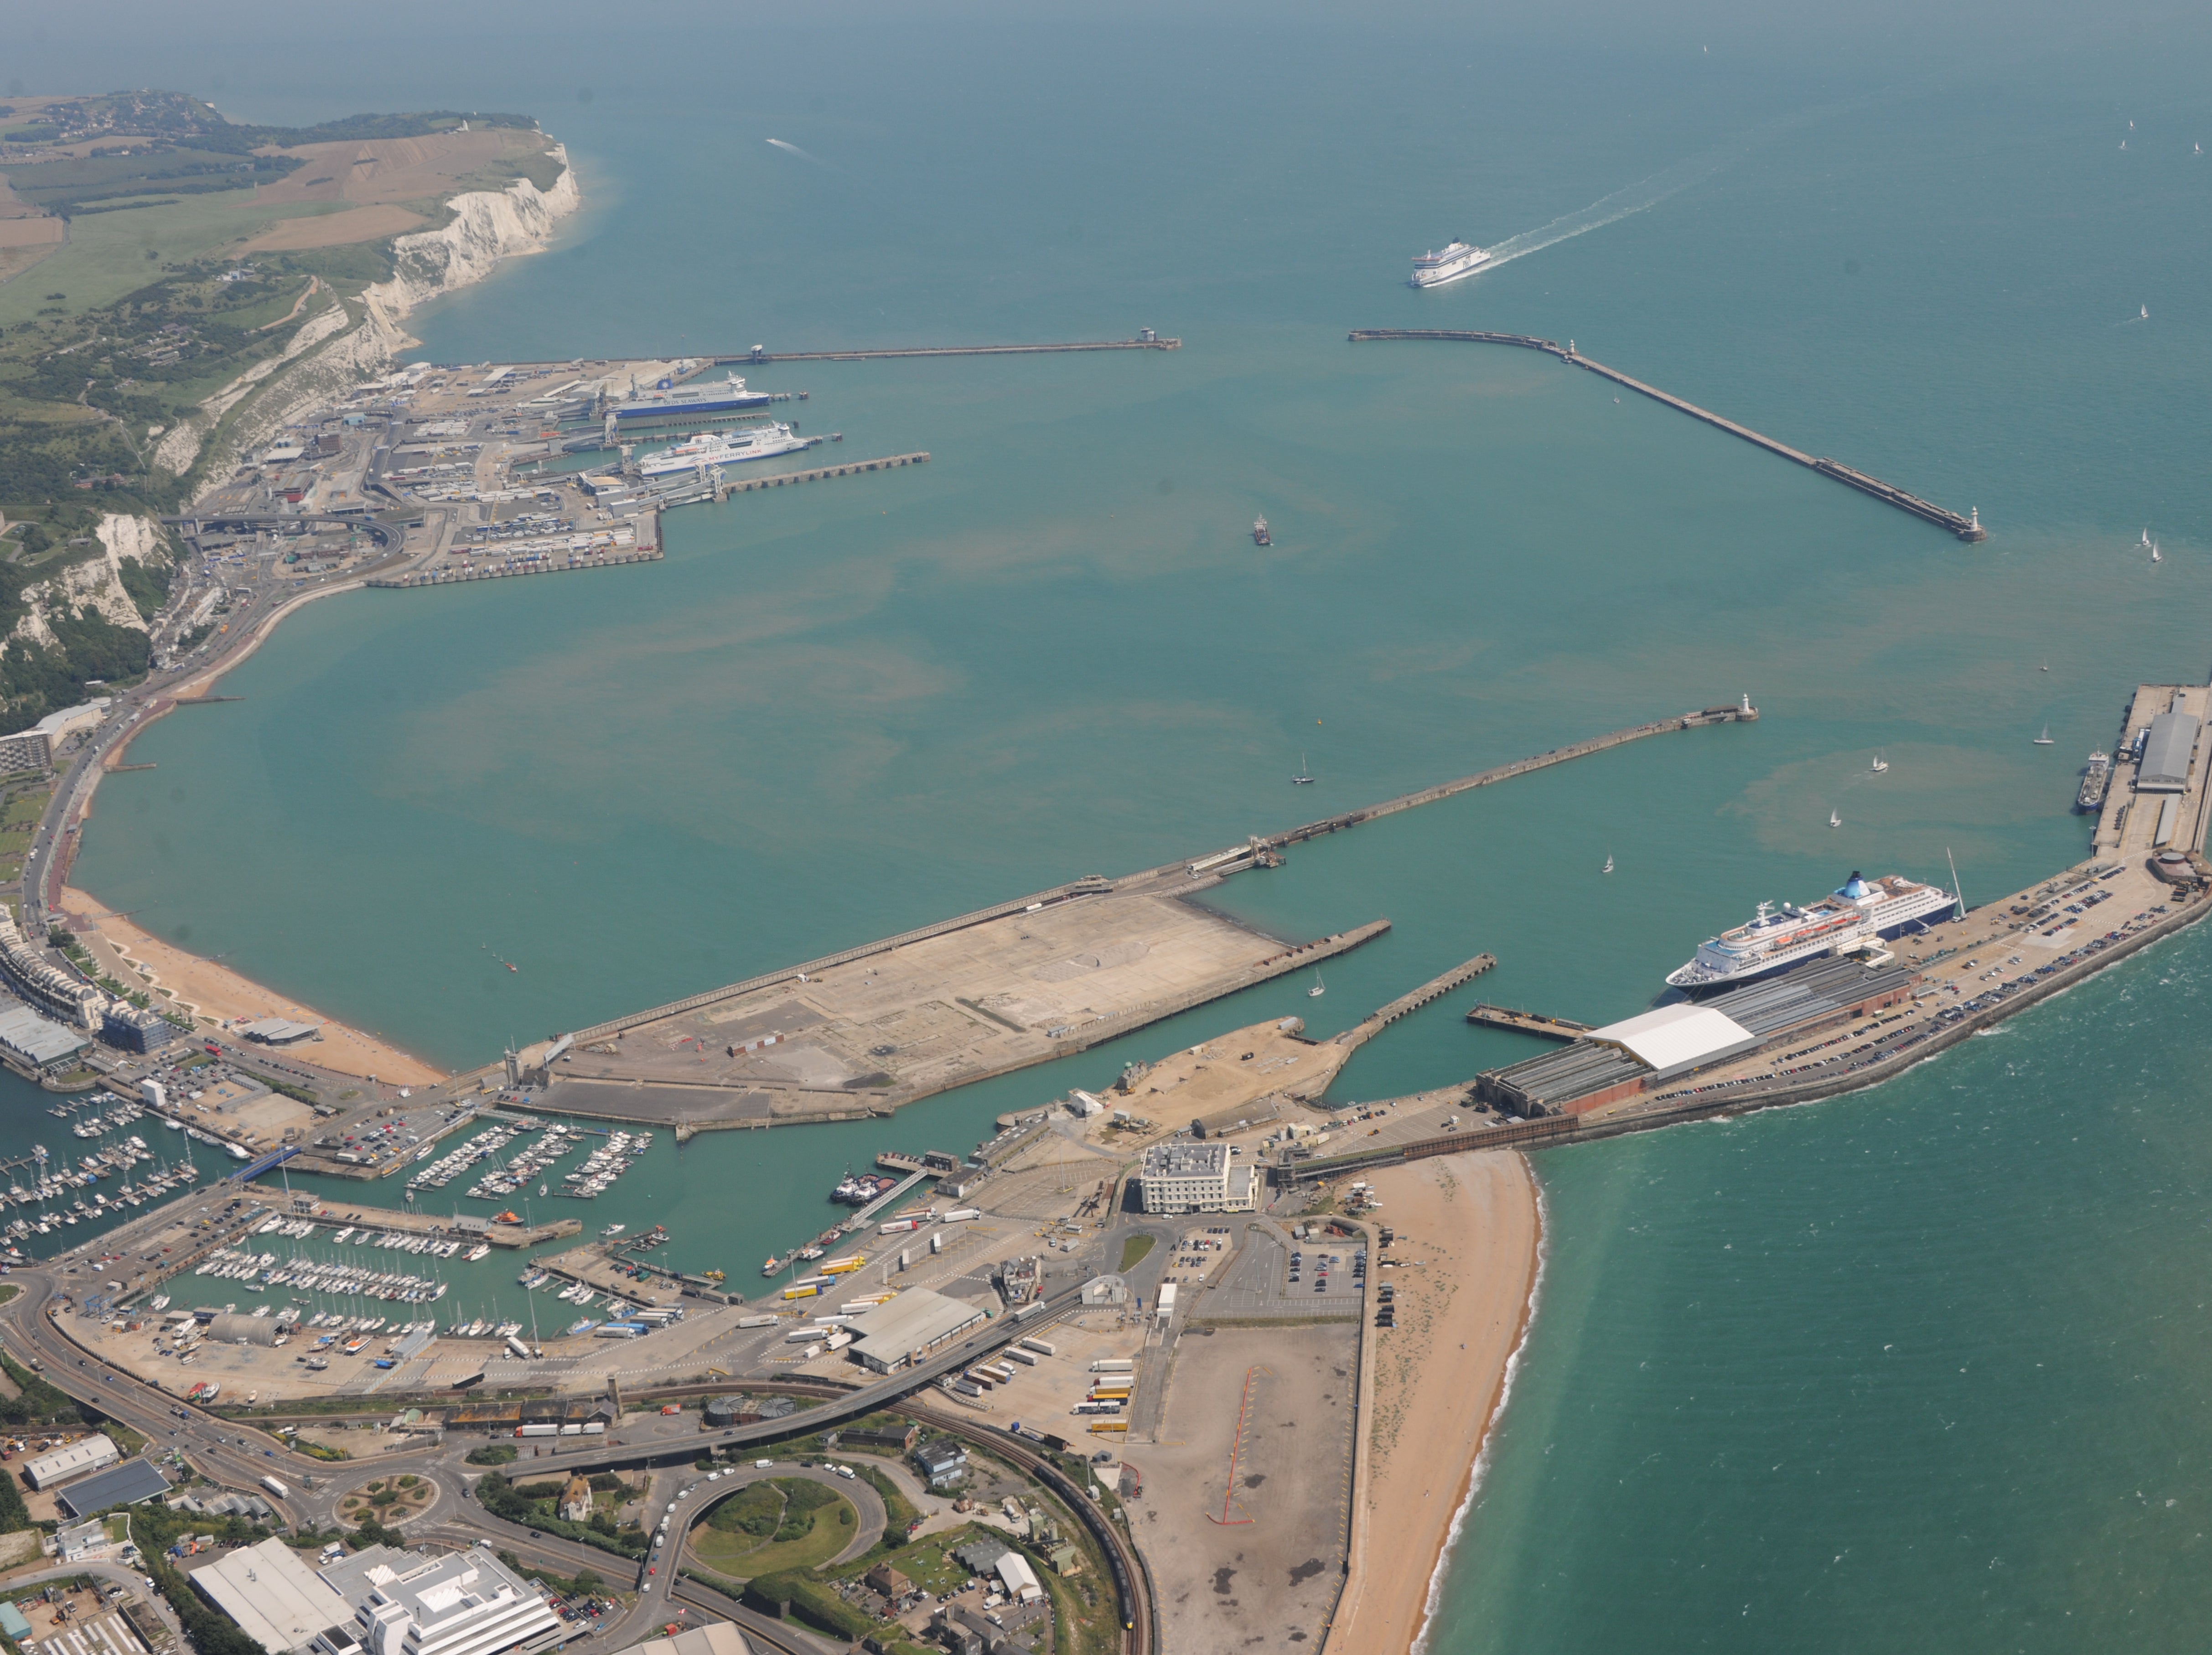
x,y
1860,912
1433,270
668,400
726,448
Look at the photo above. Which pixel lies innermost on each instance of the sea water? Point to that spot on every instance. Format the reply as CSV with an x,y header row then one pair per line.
x,y
1913,243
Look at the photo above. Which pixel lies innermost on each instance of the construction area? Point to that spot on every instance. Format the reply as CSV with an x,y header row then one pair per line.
x,y
862,1035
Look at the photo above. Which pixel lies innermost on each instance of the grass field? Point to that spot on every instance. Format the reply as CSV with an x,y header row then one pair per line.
x,y
1134,1251
105,256
798,1539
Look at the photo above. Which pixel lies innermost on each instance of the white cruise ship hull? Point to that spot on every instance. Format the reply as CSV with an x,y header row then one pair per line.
x,y
1719,965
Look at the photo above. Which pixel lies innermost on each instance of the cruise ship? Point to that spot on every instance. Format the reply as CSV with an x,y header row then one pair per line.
x,y
1860,911
726,448
668,400
1433,270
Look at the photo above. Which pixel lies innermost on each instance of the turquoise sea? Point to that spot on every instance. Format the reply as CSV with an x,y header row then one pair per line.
x,y
1783,1390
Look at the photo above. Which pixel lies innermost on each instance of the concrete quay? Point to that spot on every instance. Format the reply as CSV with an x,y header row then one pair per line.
x,y
1968,527
2139,886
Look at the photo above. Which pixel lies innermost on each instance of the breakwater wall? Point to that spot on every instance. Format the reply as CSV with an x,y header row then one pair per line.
x,y
1968,527
1145,341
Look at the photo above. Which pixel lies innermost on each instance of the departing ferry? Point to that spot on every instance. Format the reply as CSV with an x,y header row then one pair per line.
x,y
727,448
668,400
1433,270
1861,911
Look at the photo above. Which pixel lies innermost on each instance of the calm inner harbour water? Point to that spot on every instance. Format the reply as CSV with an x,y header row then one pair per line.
x,y
1905,1370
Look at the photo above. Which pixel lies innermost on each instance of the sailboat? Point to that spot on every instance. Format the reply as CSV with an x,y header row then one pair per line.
x,y
2155,557
1304,775
1878,765
1319,988
1608,868
2043,740
1834,820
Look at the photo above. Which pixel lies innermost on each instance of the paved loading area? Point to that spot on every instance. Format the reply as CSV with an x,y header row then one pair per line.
x,y
876,1032
1242,1516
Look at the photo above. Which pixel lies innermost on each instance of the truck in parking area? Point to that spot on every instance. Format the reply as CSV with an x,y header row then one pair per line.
x,y
276,1487
546,1428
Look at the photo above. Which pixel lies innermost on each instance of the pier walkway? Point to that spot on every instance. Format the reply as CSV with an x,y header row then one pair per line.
x,y
1968,527
1552,1028
1367,1028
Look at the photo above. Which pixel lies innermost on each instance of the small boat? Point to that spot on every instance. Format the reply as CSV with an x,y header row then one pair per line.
x,y
1608,868
2043,740
1260,535
1319,988
1835,820
1878,766
614,1229
2155,557
1304,775
772,1265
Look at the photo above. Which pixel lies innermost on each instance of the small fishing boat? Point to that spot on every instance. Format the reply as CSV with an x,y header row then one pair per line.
x,y
1260,535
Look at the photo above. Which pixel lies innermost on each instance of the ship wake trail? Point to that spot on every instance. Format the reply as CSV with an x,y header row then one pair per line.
x,y
793,149
1621,203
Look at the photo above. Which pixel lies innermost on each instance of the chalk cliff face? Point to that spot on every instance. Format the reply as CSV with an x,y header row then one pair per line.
x,y
486,226
92,585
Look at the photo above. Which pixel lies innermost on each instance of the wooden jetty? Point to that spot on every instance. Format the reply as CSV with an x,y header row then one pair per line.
x,y
1146,341
1968,527
1405,1005
1552,1028
691,490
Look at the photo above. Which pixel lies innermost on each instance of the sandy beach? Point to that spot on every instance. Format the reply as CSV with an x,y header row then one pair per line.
x,y
216,994
1474,1218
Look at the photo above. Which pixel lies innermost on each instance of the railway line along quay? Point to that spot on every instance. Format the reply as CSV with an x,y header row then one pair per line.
x,y
867,1030
1968,527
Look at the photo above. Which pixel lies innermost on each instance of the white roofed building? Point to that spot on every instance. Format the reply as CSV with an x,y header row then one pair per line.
x,y
1196,1177
463,1604
90,1453
275,1598
1675,1038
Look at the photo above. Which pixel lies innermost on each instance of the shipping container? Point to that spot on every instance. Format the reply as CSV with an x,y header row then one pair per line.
x,y
1095,1406
1113,1365
1026,1358
802,1293
1042,1347
545,1430
842,1266
757,1321
811,1281
1102,1427
576,1430
838,1340
962,1388
962,1214
797,1334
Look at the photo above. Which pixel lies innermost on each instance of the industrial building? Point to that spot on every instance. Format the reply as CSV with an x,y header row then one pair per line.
x,y
1197,1177
93,1453
277,1030
122,1485
38,1044
913,1326
276,1599
1610,1064
2167,751
715,1638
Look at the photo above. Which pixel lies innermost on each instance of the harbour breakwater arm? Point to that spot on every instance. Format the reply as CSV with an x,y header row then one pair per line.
x,y
1147,341
1968,527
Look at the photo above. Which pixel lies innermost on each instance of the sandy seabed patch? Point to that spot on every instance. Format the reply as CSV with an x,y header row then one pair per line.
x,y
216,992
